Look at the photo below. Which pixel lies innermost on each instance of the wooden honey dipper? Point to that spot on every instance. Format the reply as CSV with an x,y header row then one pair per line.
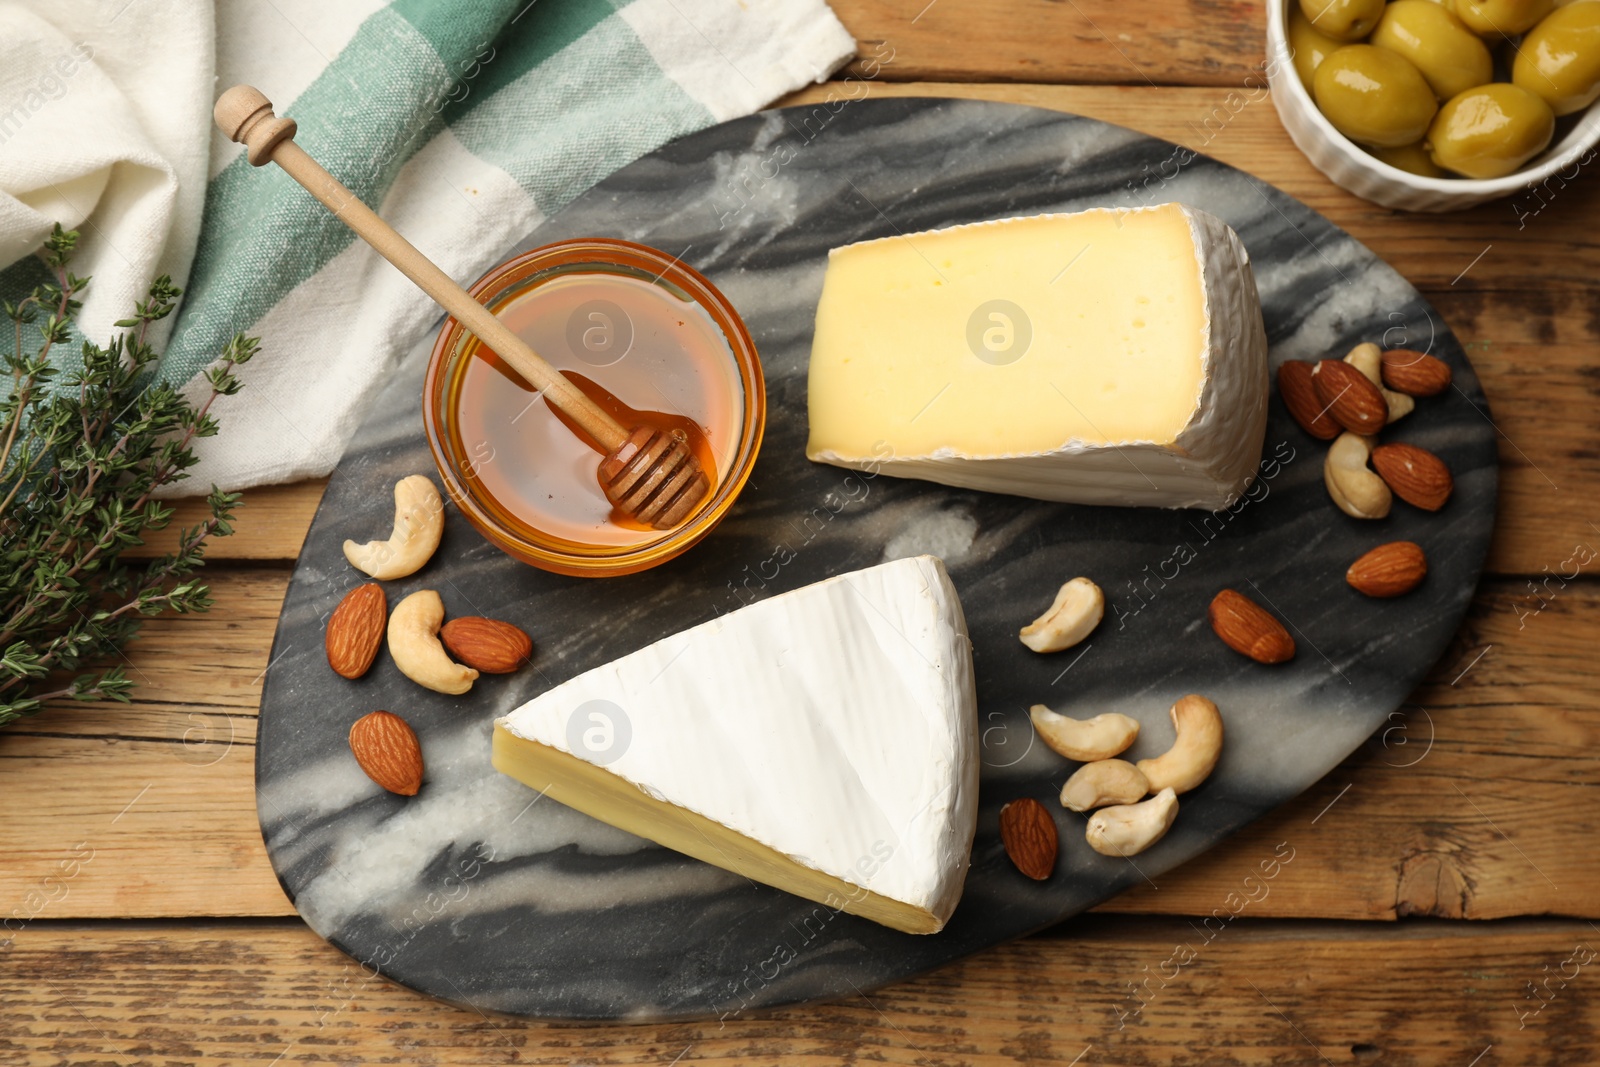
x,y
647,473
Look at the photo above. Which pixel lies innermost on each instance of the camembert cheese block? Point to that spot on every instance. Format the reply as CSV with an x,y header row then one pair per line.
x,y
1106,357
823,741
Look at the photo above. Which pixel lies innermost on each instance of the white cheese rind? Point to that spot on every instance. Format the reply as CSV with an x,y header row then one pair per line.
x,y
1209,463
835,724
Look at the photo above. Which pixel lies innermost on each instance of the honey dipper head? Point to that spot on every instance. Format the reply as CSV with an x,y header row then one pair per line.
x,y
654,477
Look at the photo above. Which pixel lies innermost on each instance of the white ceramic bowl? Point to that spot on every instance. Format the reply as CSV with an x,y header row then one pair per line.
x,y
1350,166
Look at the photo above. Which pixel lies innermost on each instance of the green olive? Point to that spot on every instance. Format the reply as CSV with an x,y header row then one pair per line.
x,y
1560,58
1412,158
1373,96
1308,45
1343,20
1449,55
1490,131
1500,18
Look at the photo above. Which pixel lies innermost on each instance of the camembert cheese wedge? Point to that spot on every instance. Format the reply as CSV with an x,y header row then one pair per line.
x,y
823,741
1106,357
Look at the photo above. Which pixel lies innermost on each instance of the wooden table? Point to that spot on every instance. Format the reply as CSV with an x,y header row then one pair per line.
x,y
1437,907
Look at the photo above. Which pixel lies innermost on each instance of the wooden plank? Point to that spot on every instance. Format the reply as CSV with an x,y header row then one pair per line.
x,y
116,827
271,523
1536,368
1525,309
160,793
1469,806
1195,42
1463,806
1550,251
1104,991
185,665
1533,350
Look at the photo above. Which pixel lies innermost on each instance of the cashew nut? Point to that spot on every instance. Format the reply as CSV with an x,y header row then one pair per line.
x,y
1129,829
1400,404
1191,757
414,644
1076,611
1355,487
1107,781
1368,359
418,524
1085,740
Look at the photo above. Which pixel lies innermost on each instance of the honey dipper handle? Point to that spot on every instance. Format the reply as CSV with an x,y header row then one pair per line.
x,y
245,115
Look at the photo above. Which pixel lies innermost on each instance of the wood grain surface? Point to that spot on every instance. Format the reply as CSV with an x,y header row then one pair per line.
x,y
1173,42
1095,991
1465,806
1517,288
144,924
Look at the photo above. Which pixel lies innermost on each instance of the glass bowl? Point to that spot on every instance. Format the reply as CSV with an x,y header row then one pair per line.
x,y
451,403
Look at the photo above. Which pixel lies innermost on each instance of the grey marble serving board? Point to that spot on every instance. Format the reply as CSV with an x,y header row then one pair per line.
x,y
478,892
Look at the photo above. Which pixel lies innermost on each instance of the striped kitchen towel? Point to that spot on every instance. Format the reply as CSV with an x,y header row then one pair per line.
x,y
465,124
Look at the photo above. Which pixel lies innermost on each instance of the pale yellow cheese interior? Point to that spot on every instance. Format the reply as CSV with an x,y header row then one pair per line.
x,y
1114,303
597,792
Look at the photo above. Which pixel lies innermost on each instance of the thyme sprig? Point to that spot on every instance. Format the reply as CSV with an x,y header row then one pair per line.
x,y
82,454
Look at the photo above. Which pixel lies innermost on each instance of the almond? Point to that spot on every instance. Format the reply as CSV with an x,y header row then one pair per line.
x,y
1389,570
1245,627
355,630
487,645
1029,834
1415,373
1416,475
1300,397
1350,397
387,748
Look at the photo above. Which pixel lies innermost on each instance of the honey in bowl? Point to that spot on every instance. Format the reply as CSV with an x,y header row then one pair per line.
x,y
650,341
646,356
